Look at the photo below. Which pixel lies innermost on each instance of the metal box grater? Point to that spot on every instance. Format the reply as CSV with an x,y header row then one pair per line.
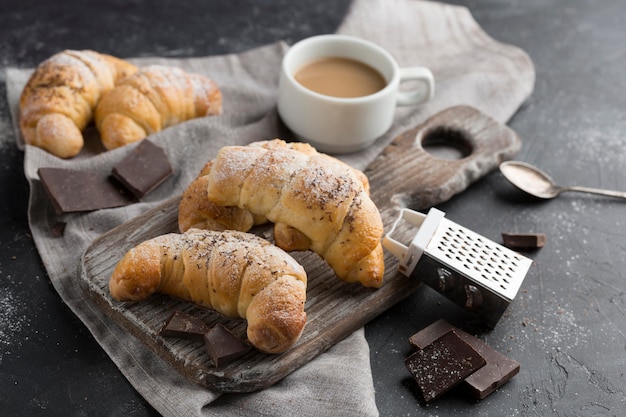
x,y
469,269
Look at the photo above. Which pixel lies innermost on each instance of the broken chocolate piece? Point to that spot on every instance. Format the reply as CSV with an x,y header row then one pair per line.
x,y
498,370
185,326
75,190
223,346
443,364
523,240
144,169
57,229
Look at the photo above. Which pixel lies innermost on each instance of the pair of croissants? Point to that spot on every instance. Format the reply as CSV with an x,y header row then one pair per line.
x,y
315,202
72,88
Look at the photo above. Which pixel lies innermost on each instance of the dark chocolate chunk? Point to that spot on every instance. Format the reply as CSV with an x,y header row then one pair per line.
x,y
223,346
523,240
183,325
57,229
75,190
498,370
144,169
442,365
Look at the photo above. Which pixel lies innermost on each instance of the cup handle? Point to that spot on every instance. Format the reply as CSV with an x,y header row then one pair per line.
x,y
423,92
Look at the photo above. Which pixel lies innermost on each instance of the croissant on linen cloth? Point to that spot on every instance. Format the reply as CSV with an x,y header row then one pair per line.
x,y
153,98
60,98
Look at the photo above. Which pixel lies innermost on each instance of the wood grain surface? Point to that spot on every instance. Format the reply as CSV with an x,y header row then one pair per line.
x,y
417,179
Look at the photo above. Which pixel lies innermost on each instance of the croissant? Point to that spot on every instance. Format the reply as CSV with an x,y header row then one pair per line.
x,y
61,95
237,274
152,99
315,201
197,211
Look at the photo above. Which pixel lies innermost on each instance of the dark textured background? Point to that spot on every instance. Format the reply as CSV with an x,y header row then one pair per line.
x,y
567,326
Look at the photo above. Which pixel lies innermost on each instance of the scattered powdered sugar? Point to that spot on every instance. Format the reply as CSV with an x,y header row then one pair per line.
x,y
565,330
12,321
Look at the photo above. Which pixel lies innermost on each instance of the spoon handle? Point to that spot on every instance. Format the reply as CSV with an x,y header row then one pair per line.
x,y
610,193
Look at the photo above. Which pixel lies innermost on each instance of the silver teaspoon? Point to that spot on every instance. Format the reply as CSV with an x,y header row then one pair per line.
x,y
539,184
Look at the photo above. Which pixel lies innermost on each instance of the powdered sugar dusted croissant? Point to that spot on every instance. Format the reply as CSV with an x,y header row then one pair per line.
x,y
238,274
152,99
61,95
316,202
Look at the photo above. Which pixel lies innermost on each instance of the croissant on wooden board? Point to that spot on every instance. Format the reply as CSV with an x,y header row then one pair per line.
x,y
60,97
237,274
152,99
315,201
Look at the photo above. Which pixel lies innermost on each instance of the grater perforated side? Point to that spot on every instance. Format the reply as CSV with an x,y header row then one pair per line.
x,y
471,270
484,261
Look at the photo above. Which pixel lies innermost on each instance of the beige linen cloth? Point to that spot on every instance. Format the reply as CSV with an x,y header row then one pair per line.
x,y
469,68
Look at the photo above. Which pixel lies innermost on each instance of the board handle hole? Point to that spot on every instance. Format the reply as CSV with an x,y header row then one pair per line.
x,y
447,143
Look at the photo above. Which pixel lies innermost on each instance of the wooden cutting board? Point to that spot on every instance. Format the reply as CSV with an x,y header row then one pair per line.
x,y
404,175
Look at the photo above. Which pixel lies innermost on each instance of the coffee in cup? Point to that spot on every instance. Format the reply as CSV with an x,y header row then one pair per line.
x,y
339,92
340,77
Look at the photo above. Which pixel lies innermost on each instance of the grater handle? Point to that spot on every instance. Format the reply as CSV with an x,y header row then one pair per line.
x,y
392,245
410,255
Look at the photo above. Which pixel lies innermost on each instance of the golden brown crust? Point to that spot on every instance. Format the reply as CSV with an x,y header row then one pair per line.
x,y
289,238
235,273
152,99
60,97
316,202
199,212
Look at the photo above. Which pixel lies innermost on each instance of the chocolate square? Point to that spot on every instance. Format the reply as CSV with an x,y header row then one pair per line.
x,y
183,325
442,365
143,169
523,240
76,190
223,346
498,370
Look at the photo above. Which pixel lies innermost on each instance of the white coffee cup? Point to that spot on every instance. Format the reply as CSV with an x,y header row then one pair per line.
x,y
343,125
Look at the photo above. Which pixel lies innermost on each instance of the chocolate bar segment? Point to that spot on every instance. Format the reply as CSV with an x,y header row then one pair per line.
x,y
76,190
498,370
144,169
223,346
443,364
523,240
183,325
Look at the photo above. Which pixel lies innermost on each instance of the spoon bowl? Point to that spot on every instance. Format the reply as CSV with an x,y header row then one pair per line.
x,y
537,183
529,179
